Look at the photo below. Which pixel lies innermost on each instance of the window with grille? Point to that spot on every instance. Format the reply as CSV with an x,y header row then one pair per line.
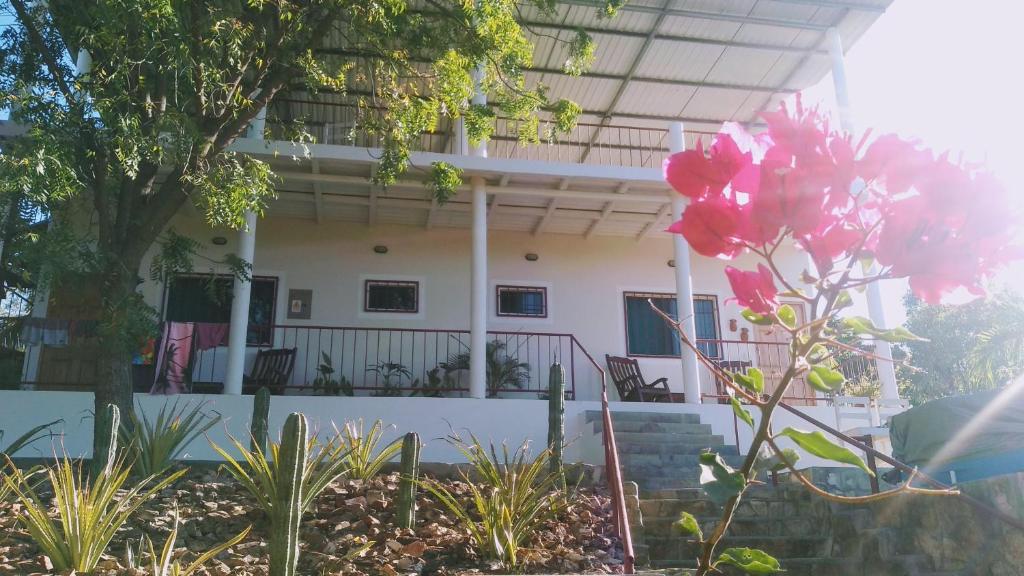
x,y
647,334
207,298
522,301
400,296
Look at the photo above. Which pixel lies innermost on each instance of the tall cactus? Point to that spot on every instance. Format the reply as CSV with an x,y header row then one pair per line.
x,y
107,424
287,503
410,476
556,415
260,414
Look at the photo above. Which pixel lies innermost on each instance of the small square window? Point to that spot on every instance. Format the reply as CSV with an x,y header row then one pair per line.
x,y
523,301
392,296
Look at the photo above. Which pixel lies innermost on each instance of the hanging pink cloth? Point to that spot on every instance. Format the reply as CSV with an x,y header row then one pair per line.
x,y
211,335
173,360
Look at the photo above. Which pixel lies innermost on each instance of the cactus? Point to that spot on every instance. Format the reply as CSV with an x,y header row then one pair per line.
x,y
556,415
410,477
107,425
287,504
260,415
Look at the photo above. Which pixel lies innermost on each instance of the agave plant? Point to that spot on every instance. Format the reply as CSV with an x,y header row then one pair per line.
x,y
87,514
155,445
164,564
260,476
363,458
504,372
512,495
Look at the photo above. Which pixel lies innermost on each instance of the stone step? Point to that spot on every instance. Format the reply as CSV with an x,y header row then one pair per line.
x,y
626,416
649,483
698,445
673,460
752,504
783,525
680,549
698,439
644,427
768,492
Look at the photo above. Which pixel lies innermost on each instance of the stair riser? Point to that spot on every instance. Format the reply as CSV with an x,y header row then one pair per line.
x,y
642,427
673,460
744,526
679,549
680,449
667,417
748,507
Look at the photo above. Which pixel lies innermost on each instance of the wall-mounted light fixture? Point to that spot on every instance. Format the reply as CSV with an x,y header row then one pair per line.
x,y
219,240
380,249
671,263
531,257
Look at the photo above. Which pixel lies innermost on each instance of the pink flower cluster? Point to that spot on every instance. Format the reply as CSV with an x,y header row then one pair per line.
x,y
941,224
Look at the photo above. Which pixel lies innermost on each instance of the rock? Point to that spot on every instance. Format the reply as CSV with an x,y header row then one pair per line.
x,y
415,549
393,545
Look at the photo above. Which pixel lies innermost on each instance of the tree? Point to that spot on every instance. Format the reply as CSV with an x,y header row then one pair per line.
x,y
112,155
969,348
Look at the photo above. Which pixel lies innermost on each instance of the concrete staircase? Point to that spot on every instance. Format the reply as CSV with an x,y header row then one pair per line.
x,y
658,454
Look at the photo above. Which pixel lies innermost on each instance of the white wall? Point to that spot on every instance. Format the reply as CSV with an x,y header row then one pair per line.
x,y
585,278
504,420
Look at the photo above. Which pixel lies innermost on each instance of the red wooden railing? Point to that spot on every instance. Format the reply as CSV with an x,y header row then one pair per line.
x,y
613,475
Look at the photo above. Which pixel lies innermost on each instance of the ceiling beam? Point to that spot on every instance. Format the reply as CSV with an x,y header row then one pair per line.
x,y
624,83
653,225
855,6
549,212
700,15
605,212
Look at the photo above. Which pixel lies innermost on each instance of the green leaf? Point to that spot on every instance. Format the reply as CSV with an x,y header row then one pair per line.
x,y
755,318
818,445
770,461
787,315
817,354
687,526
718,479
862,325
752,380
749,560
844,300
741,412
825,379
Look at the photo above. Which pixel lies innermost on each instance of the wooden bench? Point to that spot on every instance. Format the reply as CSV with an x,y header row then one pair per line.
x,y
272,368
630,383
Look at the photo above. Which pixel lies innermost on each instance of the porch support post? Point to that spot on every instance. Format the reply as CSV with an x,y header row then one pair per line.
x,y
242,289
876,311
684,283
478,288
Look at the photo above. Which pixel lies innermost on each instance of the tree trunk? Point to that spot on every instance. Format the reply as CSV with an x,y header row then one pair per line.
x,y
114,364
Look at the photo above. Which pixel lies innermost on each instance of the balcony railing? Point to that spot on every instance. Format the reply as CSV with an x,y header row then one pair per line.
x,y
340,360
586,143
772,358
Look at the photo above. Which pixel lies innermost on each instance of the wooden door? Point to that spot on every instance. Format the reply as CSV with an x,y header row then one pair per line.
x,y
773,359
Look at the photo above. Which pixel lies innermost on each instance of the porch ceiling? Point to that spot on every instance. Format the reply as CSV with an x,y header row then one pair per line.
x,y
325,190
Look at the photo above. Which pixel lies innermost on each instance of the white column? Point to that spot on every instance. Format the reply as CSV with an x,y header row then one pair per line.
x,y
241,290
684,283
876,311
478,286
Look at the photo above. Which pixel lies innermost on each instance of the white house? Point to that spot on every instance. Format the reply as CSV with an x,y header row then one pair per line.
x,y
550,250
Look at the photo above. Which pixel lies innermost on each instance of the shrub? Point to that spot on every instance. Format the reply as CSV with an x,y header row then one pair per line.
x,y
363,458
511,497
87,514
155,445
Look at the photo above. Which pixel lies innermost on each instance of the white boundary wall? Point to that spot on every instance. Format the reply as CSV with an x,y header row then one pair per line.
x,y
504,420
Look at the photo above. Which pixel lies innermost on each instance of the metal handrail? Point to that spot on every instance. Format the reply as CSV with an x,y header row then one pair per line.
x,y
614,479
904,467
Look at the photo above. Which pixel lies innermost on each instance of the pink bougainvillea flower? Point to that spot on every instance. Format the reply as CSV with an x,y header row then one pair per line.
x,y
754,290
829,243
899,163
709,226
694,174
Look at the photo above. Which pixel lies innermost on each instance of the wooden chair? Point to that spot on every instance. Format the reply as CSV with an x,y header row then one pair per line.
x,y
729,366
272,368
630,383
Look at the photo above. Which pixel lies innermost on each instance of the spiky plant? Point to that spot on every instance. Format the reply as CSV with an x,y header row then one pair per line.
x,y
512,495
87,512
364,459
259,472
164,564
154,445
20,442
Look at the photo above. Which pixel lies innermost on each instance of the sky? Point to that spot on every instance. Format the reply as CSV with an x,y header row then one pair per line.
x,y
947,72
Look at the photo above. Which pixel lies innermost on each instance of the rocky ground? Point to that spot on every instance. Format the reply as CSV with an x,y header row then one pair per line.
x,y
213,508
